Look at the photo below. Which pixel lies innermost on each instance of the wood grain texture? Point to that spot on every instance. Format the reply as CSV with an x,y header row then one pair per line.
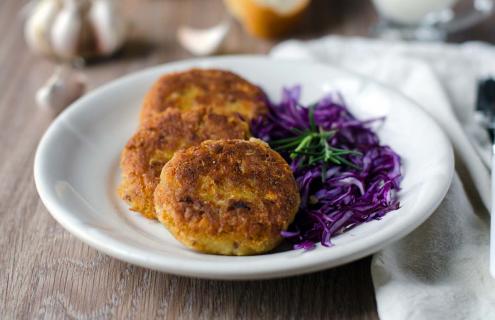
x,y
46,273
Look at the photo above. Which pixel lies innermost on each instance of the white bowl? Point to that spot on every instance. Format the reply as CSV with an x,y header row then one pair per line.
x,y
76,170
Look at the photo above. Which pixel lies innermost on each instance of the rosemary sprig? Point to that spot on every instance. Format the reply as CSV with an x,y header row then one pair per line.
x,y
312,146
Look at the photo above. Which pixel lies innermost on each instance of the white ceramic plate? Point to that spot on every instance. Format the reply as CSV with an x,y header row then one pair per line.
x,y
76,170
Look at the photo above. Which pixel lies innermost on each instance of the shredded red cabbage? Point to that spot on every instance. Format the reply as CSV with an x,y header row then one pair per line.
x,y
348,195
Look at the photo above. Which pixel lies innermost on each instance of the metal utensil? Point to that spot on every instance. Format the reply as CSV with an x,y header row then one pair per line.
x,y
486,106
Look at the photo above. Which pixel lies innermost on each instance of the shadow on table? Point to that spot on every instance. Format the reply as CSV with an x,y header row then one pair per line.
x,y
336,16
481,32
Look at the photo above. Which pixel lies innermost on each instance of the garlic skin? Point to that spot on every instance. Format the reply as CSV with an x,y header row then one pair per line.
x,y
61,89
37,27
74,29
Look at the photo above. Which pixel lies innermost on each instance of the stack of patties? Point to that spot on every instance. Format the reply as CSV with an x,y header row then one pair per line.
x,y
218,192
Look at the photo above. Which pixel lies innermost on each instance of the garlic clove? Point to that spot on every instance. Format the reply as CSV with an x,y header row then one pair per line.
x,y
67,29
202,42
109,27
38,25
61,89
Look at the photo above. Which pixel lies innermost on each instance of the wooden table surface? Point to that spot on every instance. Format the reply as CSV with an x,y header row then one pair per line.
x,y
47,273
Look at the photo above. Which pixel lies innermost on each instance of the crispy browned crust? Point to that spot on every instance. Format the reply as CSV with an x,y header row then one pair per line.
x,y
219,91
229,197
155,143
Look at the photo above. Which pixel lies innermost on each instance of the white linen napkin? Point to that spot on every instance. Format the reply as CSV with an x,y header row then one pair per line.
x,y
439,271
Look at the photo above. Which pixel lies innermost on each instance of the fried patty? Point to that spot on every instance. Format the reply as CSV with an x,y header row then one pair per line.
x,y
219,91
156,142
230,197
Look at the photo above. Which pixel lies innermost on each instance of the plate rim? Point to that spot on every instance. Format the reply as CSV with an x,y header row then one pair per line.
x,y
122,251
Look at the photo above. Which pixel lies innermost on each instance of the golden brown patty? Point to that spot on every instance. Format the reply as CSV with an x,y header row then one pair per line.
x,y
219,91
230,197
156,142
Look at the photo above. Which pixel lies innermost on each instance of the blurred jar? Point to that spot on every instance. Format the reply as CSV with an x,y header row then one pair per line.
x,y
268,18
427,19
410,11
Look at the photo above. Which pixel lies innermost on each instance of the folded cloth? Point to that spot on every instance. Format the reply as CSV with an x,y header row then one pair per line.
x,y
439,271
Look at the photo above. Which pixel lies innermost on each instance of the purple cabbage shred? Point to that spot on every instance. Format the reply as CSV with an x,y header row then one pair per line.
x,y
348,196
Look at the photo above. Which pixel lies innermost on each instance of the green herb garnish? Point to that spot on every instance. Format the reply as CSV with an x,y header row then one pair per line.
x,y
313,147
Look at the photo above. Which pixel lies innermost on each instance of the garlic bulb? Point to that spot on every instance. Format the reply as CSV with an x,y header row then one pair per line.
x,y
63,88
71,29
